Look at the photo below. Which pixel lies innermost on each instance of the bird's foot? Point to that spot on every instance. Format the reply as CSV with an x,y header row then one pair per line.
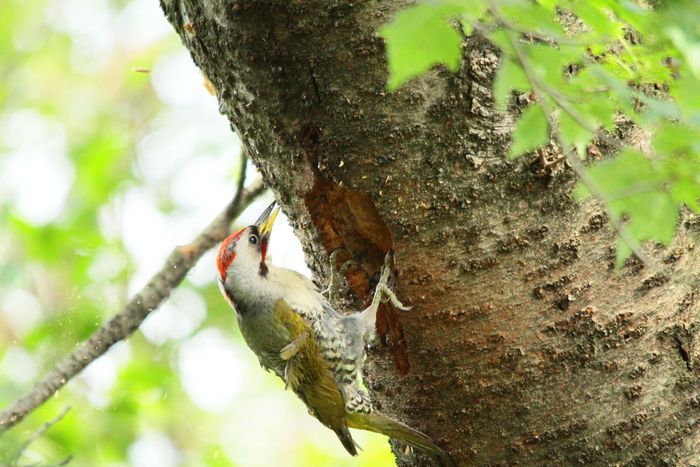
x,y
287,353
291,349
382,292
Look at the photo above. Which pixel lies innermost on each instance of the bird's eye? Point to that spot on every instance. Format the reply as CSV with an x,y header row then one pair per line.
x,y
253,239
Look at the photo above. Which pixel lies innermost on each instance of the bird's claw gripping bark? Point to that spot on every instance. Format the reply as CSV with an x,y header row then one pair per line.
x,y
382,293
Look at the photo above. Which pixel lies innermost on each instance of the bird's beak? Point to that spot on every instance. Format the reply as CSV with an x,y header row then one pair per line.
x,y
266,219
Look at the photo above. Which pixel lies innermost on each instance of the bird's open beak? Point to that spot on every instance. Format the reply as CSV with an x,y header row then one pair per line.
x,y
266,219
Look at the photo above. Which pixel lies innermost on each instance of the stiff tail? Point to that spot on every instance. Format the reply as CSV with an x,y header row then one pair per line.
x,y
394,429
346,438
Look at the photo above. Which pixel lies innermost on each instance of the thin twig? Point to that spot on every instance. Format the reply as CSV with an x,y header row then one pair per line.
x,y
635,190
124,323
571,156
38,433
39,464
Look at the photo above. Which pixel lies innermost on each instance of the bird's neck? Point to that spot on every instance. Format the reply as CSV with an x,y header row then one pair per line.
x,y
250,290
248,286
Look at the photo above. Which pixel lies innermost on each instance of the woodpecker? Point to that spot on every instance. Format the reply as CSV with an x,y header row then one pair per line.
x,y
295,333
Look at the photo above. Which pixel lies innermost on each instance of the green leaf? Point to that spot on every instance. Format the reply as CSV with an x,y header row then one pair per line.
x,y
420,37
597,18
689,48
500,39
602,109
472,12
688,193
531,131
686,92
624,173
658,110
526,15
633,14
549,64
510,77
467,26
652,216
632,187
623,252
617,88
581,192
548,4
573,133
674,139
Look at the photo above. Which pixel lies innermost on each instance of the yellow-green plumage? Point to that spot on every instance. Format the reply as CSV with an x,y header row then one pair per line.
x,y
308,375
296,334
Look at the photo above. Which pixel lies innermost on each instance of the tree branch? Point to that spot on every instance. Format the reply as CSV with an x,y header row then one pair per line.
x,y
158,288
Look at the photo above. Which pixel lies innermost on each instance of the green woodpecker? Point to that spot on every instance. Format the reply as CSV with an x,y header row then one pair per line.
x,y
296,334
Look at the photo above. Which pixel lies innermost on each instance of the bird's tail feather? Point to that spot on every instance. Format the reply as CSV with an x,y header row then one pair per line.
x,y
379,423
346,438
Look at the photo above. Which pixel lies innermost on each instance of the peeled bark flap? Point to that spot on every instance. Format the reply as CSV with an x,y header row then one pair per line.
x,y
346,221
525,345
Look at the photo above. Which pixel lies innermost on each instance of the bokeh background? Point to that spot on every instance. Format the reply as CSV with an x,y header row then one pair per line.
x,y
103,169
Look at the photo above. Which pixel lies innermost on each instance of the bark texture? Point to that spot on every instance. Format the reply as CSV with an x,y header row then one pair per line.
x,y
525,346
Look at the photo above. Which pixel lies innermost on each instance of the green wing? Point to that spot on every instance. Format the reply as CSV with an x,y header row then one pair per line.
x,y
309,376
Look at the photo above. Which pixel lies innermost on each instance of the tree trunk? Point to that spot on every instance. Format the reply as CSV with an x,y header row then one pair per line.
x,y
525,345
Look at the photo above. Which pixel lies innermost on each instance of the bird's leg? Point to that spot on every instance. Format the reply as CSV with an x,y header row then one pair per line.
x,y
383,288
382,294
337,275
288,352
291,349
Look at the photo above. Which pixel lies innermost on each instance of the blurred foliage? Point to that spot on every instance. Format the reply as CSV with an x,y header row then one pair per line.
x,y
588,66
103,169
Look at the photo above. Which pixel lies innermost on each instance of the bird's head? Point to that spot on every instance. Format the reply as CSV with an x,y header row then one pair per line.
x,y
246,249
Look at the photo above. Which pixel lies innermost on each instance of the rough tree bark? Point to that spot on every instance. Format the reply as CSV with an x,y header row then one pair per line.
x,y
524,344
